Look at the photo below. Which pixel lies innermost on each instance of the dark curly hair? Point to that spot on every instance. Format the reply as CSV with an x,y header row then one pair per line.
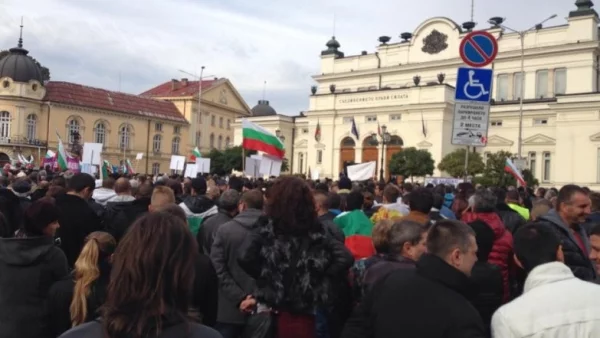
x,y
291,207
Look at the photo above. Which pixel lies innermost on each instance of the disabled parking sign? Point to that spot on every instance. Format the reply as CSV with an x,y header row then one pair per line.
x,y
474,84
472,107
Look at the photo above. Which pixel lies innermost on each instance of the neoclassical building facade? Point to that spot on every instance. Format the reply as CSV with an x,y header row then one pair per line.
x,y
408,86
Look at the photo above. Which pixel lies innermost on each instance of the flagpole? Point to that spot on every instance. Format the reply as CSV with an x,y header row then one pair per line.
x,y
243,160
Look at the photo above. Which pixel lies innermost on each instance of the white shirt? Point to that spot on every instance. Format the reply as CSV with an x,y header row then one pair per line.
x,y
554,304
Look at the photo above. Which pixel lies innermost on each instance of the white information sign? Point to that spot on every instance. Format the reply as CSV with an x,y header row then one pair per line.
x,y
177,162
470,126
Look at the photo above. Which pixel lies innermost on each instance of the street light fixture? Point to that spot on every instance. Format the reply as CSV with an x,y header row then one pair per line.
x,y
193,118
497,22
385,139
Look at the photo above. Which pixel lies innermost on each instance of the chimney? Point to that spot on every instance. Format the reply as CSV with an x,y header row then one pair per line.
x,y
184,81
174,84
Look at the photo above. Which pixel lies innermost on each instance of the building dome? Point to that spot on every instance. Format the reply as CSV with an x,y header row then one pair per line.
x,y
19,66
263,109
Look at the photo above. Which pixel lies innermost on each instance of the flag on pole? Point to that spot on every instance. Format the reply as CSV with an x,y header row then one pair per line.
x,y
318,132
195,154
62,154
258,138
129,167
104,172
379,130
354,130
510,168
50,154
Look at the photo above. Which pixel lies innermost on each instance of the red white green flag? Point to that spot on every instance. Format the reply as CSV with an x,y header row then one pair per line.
x,y
260,139
195,154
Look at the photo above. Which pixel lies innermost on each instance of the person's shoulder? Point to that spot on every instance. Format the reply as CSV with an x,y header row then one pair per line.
x,y
88,330
203,331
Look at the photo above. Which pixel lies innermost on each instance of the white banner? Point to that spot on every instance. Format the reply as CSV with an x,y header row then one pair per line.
x,y
92,153
361,171
202,165
190,170
177,162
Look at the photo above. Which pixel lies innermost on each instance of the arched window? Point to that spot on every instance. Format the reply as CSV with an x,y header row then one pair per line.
x,y
227,142
125,137
155,168
220,144
395,141
212,141
74,127
175,146
31,127
198,138
156,143
4,124
100,133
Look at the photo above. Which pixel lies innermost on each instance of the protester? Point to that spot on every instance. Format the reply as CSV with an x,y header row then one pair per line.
x,y
198,206
326,218
390,209
22,189
177,188
595,250
429,303
162,197
573,206
420,203
153,273
29,265
594,217
511,219
540,208
123,191
555,303
357,227
41,191
513,200
120,215
292,259
228,208
435,214
106,192
77,298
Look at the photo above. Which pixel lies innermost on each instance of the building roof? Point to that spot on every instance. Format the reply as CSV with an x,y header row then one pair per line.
x,y
19,66
175,88
84,96
263,109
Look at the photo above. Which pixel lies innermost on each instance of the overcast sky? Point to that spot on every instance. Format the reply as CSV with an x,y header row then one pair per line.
x,y
248,41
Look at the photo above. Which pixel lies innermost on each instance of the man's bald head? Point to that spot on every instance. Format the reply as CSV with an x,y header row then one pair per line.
x,y
122,186
161,197
321,202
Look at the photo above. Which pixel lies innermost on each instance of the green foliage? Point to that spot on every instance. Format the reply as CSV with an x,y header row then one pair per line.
x,y
494,174
45,71
285,165
411,162
222,162
528,177
454,163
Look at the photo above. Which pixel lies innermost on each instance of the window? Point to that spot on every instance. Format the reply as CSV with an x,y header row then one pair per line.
x,y
532,163
4,125
227,142
372,118
31,126
213,120
486,156
347,119
198,138
175,146
100,133
546,173
158,126
73,129
502,87
300,162
541,84
560,81
540,122
212,141
124,137
497,123
155,168
220,122
156,141
517,85
319,156
304,130
220,142
228,124
598,166
177,130
396,117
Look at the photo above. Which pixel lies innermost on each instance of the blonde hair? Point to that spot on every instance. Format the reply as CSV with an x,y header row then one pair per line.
x,y
86,272
162,196
380,235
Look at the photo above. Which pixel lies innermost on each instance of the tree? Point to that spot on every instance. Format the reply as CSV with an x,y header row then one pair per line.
x,y
45,71
494,174
529,178
411,162
222,162
285,165
454,163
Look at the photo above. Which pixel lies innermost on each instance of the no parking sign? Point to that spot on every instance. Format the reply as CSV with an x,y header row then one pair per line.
x,y
478,49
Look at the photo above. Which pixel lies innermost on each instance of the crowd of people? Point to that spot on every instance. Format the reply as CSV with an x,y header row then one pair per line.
x,y
166,256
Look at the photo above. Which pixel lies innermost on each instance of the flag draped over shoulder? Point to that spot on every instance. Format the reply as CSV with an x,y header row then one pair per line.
x,y
260,139
357,228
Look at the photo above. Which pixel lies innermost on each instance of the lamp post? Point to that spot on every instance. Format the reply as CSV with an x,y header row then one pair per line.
x,y
498,22
194,121
385,139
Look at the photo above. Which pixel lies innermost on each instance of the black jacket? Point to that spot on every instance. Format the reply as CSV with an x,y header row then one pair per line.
x,y
332,229
38,194
206,288
430,302
384,267
575,258
119,216
208,230
61,295
28,268
234,283
94,330
25,202
488,290
77,220
511,219
10,208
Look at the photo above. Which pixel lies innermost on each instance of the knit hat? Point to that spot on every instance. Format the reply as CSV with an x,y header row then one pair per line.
x,y
22,188
345,183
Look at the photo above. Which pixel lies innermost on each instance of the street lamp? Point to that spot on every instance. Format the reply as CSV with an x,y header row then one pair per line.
x,y
195,120
385,139
498,23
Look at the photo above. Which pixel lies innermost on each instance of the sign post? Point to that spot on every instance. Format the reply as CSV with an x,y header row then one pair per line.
x,y
473,92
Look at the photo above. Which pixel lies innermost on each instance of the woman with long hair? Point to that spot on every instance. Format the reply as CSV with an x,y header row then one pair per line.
x,y
77,298
150,284
29,264
294,261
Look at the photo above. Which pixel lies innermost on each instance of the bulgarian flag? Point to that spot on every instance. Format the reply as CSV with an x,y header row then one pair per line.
x,y
105,169
510,168
61,157
195,154
129,167
357,228
259,139
318,132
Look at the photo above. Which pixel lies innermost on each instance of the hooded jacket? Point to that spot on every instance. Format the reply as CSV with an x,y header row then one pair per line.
x,y
103,195
120,198
575,258
28,268
197,208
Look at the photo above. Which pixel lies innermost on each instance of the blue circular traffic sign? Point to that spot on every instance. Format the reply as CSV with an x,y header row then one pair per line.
x,y
478,49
